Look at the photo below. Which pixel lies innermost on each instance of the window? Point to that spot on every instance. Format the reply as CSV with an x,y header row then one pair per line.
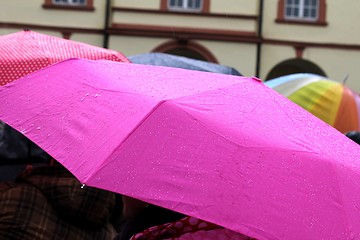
x,y
187,6
84,5
302,9
70,2
302,12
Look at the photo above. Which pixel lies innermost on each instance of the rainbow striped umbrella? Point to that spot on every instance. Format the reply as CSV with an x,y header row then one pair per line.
x,y
329,100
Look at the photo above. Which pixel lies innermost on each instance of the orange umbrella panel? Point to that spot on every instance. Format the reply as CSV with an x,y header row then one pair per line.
x,y
328,100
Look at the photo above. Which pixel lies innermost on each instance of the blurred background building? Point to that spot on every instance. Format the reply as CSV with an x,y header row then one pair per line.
x,y
262,38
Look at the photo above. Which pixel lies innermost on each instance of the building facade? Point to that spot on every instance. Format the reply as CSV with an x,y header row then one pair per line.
x,y
259,38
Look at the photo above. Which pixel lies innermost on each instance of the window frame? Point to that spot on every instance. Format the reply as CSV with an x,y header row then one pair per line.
x,y
88,6
301,7
185,6
320,21
165,6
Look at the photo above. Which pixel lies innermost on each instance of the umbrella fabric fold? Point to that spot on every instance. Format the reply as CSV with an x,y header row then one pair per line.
x,y
225,149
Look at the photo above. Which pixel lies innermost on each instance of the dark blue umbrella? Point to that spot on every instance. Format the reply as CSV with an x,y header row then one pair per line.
x,y
169,60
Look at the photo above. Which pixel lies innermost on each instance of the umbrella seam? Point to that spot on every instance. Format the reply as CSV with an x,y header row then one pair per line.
x,y
105,162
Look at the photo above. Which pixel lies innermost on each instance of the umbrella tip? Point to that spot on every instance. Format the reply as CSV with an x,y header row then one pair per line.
x,y
345,79
256,79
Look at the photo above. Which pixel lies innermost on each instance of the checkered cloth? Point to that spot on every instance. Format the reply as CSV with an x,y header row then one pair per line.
x,y
49,203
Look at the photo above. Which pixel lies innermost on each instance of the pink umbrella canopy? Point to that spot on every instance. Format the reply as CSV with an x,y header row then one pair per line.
x,y
225,149
24,52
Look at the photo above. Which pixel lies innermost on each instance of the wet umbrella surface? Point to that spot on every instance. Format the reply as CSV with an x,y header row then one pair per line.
x,y
225,149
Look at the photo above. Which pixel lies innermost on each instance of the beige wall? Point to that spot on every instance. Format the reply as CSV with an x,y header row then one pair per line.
x,y
93,39
4,31
334,62
184,21
129,45
247,7
337,64
273,55
139,4
242,57
340,28
31,12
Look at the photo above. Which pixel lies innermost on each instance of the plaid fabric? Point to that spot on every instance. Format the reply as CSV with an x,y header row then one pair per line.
x,y
26,214
86,206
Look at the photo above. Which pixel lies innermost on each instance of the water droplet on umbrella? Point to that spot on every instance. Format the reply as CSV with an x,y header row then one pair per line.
x,y
38,128
83,185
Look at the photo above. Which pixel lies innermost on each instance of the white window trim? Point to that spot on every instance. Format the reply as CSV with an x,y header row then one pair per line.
x,y
301,12
70,2
185,7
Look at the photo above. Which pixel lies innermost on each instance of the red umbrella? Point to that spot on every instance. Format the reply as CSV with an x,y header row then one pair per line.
x,y
24,52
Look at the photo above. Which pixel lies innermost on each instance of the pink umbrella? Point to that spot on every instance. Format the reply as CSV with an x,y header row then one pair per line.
x,y
24,52
225,149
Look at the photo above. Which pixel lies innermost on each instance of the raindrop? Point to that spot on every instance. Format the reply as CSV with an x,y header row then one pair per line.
x,y
38,128
83,185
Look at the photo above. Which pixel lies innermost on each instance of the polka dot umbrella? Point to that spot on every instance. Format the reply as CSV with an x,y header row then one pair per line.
x,y
24,52
328,100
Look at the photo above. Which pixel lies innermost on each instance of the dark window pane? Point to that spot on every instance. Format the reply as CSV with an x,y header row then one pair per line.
x,y
314,2
296,12
306,12
172,3
288,11
297,2
191,3
198,4
313,13
288,2
307,2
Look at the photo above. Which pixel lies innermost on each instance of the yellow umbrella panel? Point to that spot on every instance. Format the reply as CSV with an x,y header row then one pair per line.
x,y
328,100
